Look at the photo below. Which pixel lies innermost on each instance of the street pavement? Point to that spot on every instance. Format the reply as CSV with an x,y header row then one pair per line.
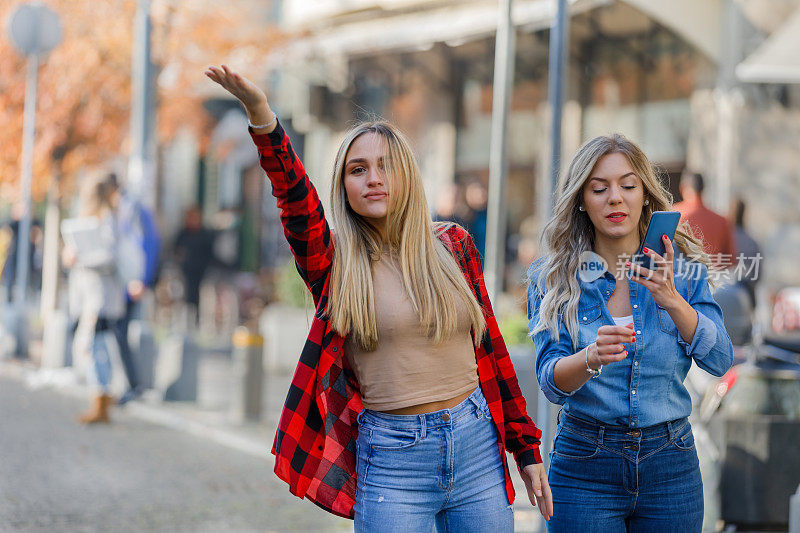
x,y
132,475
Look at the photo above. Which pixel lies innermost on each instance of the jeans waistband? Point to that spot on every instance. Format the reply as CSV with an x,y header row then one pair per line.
x,y
473,403
670,430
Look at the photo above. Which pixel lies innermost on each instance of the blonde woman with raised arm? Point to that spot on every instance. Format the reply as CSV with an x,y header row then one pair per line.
x,y
404,399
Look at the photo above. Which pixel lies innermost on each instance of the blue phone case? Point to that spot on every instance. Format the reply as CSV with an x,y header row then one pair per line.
x,y
661,223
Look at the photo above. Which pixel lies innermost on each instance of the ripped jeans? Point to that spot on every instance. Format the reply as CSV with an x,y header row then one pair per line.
x,y
439,469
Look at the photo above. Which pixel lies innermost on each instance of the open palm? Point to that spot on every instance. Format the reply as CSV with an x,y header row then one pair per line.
x,y
247,92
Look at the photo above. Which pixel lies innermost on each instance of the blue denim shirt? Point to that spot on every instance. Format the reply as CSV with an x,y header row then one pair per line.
x,y
647,387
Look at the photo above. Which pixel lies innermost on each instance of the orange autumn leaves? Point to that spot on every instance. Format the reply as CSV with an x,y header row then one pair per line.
x,y
85,83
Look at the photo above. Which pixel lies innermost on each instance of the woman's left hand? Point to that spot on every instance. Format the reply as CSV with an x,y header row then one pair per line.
x,y
535,478
661,280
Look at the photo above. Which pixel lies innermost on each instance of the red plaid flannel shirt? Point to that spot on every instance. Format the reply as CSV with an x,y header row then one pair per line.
x,y
314,446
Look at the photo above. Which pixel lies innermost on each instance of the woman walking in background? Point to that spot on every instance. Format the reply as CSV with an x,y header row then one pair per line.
x,y
404,400
623,457
96,292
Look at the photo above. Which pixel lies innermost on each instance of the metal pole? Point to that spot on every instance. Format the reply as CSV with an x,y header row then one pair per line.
x,y
498,164
140,183
555,89
558,39
28,138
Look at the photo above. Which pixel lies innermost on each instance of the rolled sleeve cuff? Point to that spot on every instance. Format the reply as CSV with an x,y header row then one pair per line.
x,y
529,457
268,141
551,392
705,335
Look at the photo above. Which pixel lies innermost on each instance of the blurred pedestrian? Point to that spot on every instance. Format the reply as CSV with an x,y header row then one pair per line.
x,y
477,200
139,241
446,208
717,234
8,276
194,250
749,269
96,294
404,358
623,456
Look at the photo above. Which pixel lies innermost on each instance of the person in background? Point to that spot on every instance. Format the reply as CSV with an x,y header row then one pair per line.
x,y
718,238
9,268
447,206
139,237
748,262
477,198
96,294
194,250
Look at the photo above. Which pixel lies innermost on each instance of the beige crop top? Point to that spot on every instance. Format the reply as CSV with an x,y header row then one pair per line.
x,y
407,368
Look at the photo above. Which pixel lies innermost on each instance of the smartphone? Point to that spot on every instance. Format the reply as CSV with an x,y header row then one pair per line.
x,y
661,223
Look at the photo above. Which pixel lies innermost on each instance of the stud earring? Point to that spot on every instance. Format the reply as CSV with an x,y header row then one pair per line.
x,y
647,202
580,208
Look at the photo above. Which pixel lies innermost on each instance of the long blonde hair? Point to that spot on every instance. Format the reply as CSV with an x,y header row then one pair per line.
x,y
427,266
570,231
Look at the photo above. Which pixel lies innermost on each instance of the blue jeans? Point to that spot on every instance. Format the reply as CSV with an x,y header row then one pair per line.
x,y
441,468
100,375
614,479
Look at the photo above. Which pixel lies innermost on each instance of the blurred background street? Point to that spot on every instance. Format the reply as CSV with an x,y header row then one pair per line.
x,y
115,148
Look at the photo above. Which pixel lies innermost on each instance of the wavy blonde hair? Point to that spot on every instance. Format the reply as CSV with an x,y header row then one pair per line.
x,y
570,232
427,265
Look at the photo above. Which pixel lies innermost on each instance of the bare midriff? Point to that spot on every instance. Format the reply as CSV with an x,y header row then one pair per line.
x,y
430,406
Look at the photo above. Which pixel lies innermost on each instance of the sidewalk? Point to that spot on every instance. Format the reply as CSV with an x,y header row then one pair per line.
x,y
208,418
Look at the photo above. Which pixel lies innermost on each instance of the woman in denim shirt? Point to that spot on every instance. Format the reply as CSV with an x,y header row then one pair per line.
x,y
623,457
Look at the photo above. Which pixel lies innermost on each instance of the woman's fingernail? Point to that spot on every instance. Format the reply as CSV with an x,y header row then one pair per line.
x,y
627,263
645,250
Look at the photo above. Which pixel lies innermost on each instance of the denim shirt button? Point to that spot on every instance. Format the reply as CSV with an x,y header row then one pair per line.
x,y
635,306
638,332
633,392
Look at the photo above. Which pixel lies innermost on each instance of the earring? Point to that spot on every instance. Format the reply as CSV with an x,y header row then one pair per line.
x,y
647,202
580,208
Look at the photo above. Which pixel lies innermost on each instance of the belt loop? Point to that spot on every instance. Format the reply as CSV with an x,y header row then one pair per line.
x,y
671,430
422,426
600,435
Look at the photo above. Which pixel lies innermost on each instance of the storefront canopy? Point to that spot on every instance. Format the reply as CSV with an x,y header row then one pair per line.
x,y
777,60
452,24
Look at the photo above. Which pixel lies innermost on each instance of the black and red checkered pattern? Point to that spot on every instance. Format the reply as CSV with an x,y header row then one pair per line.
x,y
314,446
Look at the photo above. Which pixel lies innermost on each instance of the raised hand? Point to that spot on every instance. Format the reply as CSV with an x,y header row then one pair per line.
x,y
248,93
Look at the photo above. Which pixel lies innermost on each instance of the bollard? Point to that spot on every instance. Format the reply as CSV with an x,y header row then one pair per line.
x,y
176,369
794,512
143,351
248,375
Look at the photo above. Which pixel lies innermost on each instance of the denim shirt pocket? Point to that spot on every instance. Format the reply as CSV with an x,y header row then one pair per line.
x,y
666,323
589,322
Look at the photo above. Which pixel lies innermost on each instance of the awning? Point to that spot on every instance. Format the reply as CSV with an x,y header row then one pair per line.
x,y
452,24
777,60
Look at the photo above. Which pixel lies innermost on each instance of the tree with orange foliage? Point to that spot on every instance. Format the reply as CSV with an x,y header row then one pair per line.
x,y
83,107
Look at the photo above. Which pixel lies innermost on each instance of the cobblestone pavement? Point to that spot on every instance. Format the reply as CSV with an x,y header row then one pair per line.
x,y
132,476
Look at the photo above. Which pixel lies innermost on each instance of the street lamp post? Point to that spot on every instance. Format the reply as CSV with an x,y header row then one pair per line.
x,y
35,30
498,163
